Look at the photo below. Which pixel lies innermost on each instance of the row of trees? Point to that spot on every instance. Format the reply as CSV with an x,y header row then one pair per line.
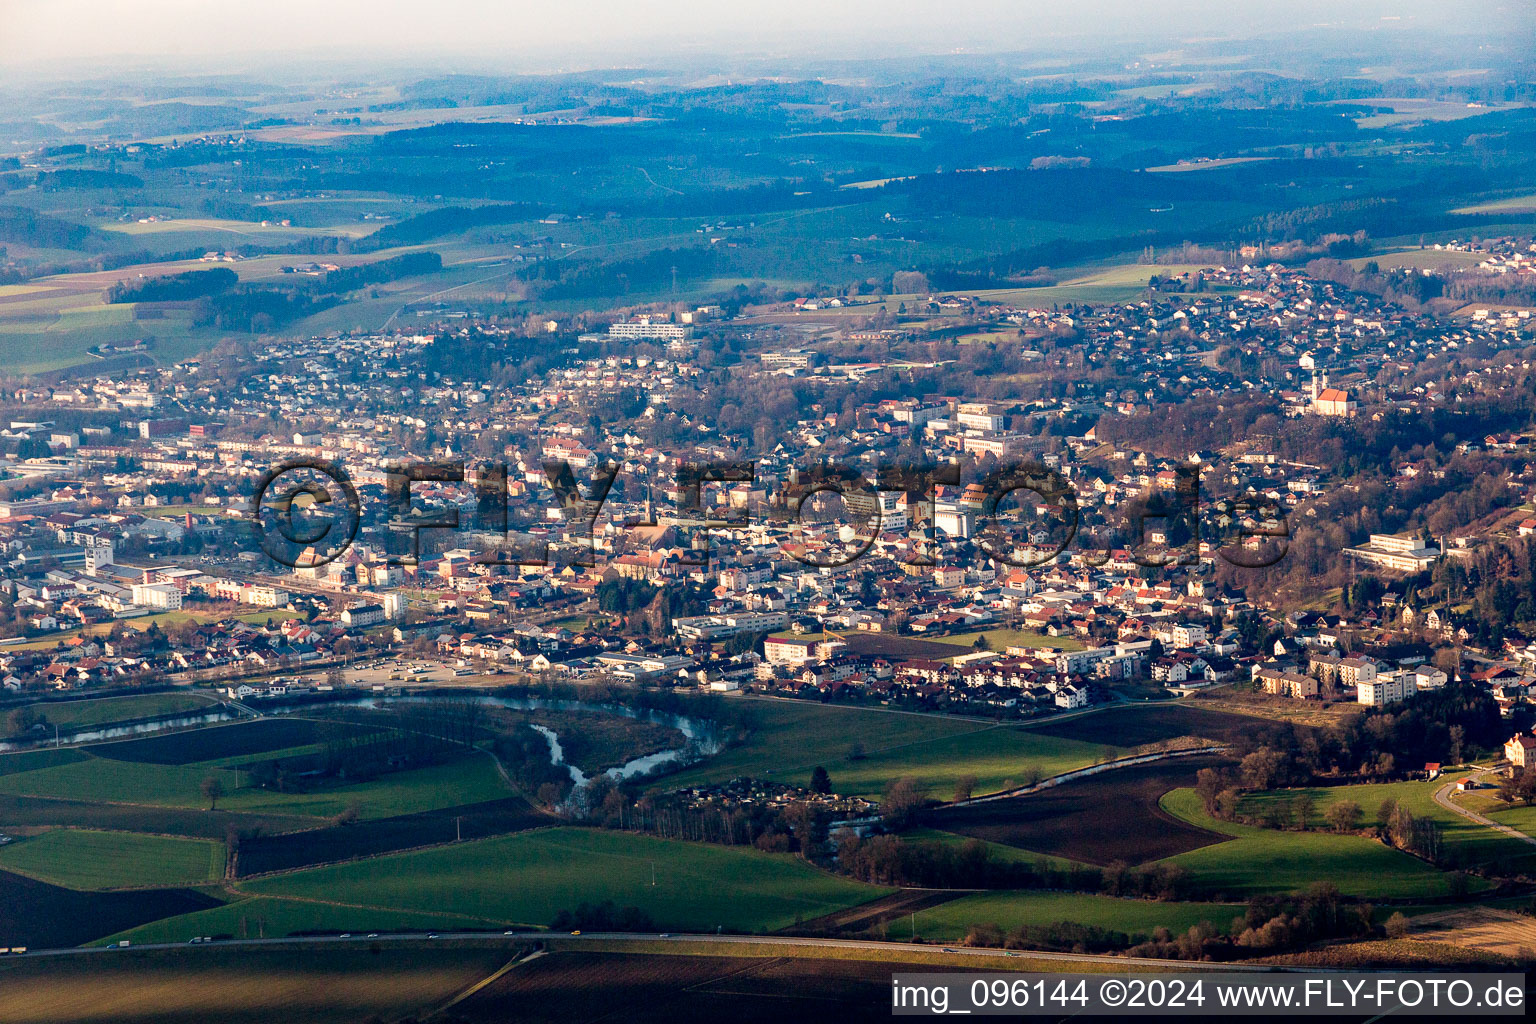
x,y
1442,725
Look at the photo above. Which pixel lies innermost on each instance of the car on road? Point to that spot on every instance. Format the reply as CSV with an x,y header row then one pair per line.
x,y
344,935
373,935
666,935
431,935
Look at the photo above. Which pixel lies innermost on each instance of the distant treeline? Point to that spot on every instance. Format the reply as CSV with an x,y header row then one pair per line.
x,y
266,307
395,267
192,284
449,220
549,279
52,181
28,227
259,308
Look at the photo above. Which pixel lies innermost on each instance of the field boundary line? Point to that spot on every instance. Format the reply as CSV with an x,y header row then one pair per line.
x,y
357,906
491,979
403,850
1093,769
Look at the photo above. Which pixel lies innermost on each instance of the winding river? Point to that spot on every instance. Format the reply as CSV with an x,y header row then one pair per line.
x,y
700,734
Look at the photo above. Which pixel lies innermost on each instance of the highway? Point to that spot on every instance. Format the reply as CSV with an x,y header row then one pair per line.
x,y
725,942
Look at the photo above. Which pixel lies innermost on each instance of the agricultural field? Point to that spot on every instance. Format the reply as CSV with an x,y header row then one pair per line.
x,y
255,917
789,739
102,780
999,758
85,859
530,877
265,853
1261,860
890,645
246,986
197,823
81,714
1422,259
1465,840
1509,204
1134,726
193,746
31,760
999,639
469,779
950,921
655,988
465,780
1068,820
39,915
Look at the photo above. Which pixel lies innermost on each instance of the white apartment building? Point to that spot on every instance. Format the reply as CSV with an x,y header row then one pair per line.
x,y
1386,689
646,329
159,596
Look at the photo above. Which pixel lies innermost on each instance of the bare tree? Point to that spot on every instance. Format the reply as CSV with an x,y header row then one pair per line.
x,y
212,788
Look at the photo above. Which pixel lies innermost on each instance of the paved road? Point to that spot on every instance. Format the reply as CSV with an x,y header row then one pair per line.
x,y
1443,798
664,937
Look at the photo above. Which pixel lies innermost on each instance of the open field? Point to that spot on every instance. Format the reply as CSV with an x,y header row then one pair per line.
x,y
242,986
40,915
999,758
467,780
1510,204
1422,259
84,859
79,714
789,738
222,741
530,877
1280,709
198,823
470,779
662,989
100,779
257,917
998,851
45,757
999,639
950,921
1260,860
902,648
1068,820
793,738
386,835
1465,840
1488,929
1134,726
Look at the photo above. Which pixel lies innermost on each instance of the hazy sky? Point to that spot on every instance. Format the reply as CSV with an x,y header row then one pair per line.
x,y
549,33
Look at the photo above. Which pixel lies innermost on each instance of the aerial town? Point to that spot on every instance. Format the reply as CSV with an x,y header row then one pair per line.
x,y
133,552
690,512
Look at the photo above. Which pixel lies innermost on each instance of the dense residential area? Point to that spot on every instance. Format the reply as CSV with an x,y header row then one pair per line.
x,y
135,555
